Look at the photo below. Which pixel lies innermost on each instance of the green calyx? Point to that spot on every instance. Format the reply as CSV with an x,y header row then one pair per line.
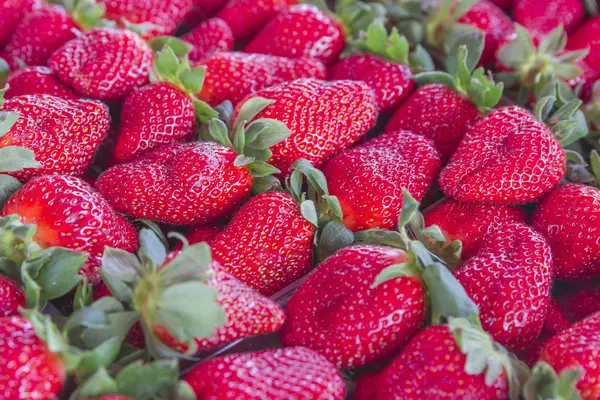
x,y
485,356
463,77
442,24
353,15
87,13
4,72
546,384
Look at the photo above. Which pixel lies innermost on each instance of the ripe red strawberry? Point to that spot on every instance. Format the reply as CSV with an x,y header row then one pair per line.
x,y
69,213
580,301
540,17
366,386
246,17
201,10
200,234
470,222
37,80
63,135
11,297
455,361
587,36
109,397
509,279
334,115
568,218
11,14
556,321
209,37
521,161
232,76
506,5
368,179
104,63
293,372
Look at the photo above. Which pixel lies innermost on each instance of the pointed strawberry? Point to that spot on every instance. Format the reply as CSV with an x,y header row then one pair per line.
x,y
37,80
209,37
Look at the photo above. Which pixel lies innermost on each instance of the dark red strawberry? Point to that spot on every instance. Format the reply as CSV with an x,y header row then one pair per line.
x,y
246,17
366,386
11,297
293,372
556,321
201,234
209,37
568,218
104,63
37,80
201,10
580,301
540,17
586,36
12,13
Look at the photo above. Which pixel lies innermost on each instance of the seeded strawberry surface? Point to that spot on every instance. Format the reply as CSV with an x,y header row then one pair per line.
x,y
209,37
580,301
11,297
246,17
37,80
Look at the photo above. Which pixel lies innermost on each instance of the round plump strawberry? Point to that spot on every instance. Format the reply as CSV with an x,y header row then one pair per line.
x,y
539,17
356,324
569,218
37,80
246,17
391,82
437,112
11,297
368,179
469,222
178,183
209,37
69,213
521,160
104,63
289,373
509,279
11,14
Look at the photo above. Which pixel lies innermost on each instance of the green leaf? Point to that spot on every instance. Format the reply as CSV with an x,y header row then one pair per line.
x,y
395,271
7,120
398,50
264,184
380,237
119,325
472,40
142,382
193,79
309,212
333,204
120,264
88,317
335,236
154,228
117,287
260,169
316,179
410,207
202,110
250,109
152,247
574,157
553,42
462,8
242,160
567,71
15,158
573,56
98,385
420,60
567,110
83,295
166,63
543,107
4,72
8,187
595,164
101,356
266,132
377,37
218,130
426,78
194,262
59,274
180,48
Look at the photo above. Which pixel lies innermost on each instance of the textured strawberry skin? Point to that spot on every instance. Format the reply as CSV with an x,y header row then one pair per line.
x,y
178,183
63,134
577,347
356,325
556,321
268,243
232,76
104,63
469,222
332,117
437,112
300,31
587,36
39,34
200,234
521,160
11,14
368,179
289,373
28,369
209,37
155,114
569,218
509,279
246,17
432,366
11,297
391,82
69,213
580,302
539,16
201,10
37,80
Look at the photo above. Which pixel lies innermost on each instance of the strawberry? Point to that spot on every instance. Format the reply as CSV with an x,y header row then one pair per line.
x,y
506,5
232,76
201,10
293,372
368,179
366,386
509,279
11,297
580,301
470,222
63,135
540,17
246,17
12,13
209,37
586,36
104,63
454,361
322,127
37,80
200,234
521,161
69,213
568,218
556,321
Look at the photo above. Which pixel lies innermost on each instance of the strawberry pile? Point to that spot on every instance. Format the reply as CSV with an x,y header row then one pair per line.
x,y
276,199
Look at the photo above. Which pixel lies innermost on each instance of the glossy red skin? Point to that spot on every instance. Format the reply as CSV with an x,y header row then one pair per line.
x,y
496,25
469,222
234,75
580,302
509,279
506,5
209,37
290,373
11,297
391,82
437,112
70,213
103,63
578,347
63,134
37,80
167,15
201,10
200,234
11,14
368,179
28,370
156,114
356,325
432,367
521,160
366,386
556,321
178,183
300,31
267,244
38,35
569,218
584,36
334,116
539,17
246,17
